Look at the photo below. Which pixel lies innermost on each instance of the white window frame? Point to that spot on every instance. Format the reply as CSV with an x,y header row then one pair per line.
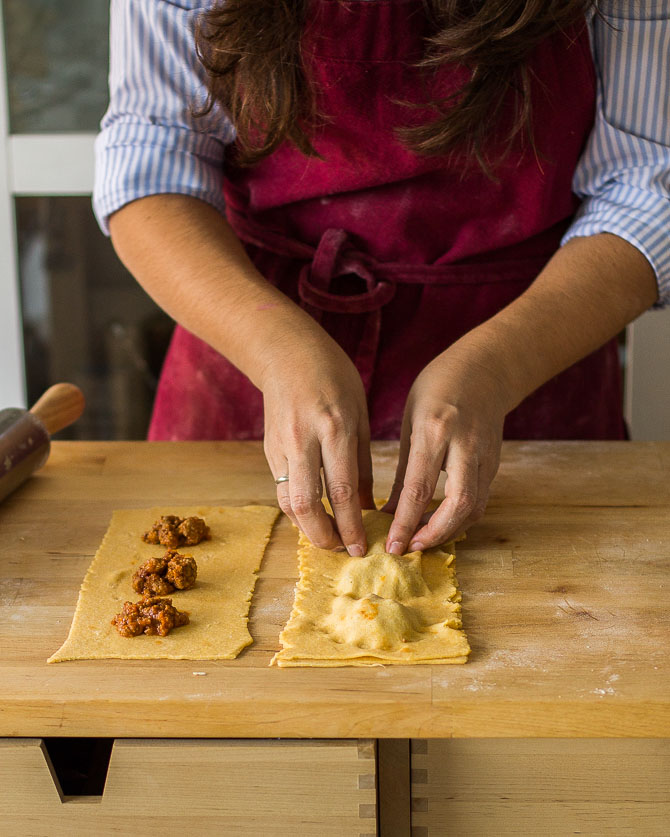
x,y
647,382
30,165
62,165
12,375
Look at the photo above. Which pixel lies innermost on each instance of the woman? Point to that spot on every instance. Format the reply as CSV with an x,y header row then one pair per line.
x,y
399,255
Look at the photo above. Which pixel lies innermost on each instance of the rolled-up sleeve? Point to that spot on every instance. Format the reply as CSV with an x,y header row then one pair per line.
x,y
624,173
150,142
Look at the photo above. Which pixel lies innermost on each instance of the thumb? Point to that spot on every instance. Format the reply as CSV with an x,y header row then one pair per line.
x,y
392,503
365,493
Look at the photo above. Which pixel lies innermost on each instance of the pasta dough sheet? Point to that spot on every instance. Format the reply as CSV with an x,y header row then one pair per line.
x,y
218,604
379,609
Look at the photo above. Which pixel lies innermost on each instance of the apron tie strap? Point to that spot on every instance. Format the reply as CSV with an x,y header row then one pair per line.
x,y
335,256
332,259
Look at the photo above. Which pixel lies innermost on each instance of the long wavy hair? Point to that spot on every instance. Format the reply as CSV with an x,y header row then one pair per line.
x,y
251,50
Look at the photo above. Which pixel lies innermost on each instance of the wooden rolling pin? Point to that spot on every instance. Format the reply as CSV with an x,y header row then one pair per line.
x,y
25,435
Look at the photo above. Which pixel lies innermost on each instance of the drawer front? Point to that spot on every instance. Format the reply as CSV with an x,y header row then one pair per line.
x,y
198,787
484,787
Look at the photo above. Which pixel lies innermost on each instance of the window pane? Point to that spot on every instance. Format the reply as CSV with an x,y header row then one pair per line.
x,y
57,54
86,320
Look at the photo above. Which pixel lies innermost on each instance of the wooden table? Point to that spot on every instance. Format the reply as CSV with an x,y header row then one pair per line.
x,y
565,602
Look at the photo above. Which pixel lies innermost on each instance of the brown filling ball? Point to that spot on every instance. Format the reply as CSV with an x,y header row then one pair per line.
x,y
181,570
164,531
149,579
151,615
172,531
161,576
192,530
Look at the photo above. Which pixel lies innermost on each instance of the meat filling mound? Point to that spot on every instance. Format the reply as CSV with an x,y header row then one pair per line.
x,y
162,576
151,615
172,531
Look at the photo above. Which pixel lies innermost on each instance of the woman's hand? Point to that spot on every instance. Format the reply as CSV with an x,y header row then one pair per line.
x,y
188,258
316,417
585,294
453,420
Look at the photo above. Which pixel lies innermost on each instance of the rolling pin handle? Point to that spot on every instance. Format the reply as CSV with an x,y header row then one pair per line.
x,y
59,406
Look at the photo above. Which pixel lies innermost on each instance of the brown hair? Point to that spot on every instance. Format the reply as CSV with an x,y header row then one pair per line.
x,y
251,51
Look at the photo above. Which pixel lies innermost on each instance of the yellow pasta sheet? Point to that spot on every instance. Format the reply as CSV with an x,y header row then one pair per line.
x,y
394,610
218,604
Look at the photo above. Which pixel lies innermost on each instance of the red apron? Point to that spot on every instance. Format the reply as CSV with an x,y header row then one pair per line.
x,y
398,255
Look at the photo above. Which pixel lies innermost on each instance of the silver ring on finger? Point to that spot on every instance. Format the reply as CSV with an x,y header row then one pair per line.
x,y
283,478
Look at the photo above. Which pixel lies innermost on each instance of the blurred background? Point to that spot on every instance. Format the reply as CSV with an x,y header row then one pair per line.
x,y
70,311
78,314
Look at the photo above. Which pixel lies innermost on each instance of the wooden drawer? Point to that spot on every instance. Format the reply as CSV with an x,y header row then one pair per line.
x,y
495,787
198,787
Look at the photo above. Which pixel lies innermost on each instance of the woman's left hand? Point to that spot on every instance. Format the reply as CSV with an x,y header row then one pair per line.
x,y
453,420
589,289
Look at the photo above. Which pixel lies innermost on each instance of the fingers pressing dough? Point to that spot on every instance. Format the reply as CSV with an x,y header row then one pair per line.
x,y
381,608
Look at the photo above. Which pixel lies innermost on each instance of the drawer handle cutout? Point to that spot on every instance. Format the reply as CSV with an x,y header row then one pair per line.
x,y
78,766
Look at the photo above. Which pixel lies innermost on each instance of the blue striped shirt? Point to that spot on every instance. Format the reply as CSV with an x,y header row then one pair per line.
x,y
149,142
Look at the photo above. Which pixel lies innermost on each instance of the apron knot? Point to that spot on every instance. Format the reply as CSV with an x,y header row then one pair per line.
x,y
335,257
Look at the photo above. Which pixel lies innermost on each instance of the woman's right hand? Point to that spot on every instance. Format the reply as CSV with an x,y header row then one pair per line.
x,y
316,417
187,257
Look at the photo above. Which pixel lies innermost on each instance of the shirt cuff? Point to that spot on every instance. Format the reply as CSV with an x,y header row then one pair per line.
x,y
155,160
643,222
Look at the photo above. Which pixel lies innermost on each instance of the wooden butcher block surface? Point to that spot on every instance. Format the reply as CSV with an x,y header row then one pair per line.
x,y
566,604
